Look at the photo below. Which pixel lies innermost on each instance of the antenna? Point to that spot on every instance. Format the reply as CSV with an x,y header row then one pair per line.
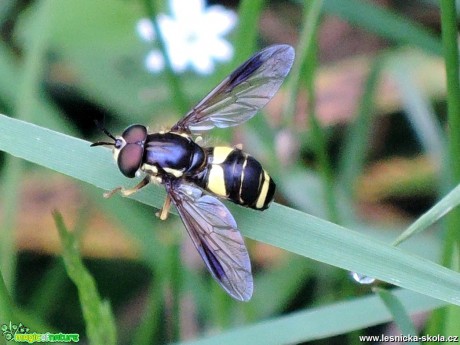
x,y
106,132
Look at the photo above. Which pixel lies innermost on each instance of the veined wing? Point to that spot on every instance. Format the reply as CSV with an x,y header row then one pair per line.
x,y
214,233
239,96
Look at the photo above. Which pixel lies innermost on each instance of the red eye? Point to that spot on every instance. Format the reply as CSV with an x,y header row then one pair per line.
x,y
134,134
130,159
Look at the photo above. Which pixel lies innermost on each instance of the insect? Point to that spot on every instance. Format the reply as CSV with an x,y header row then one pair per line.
x,y
194,176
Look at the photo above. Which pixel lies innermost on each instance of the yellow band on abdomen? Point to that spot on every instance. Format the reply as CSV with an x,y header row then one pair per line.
x,y
220,154
263,191
216,180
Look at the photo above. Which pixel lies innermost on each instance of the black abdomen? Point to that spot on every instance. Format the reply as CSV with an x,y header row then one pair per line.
x,y
237,176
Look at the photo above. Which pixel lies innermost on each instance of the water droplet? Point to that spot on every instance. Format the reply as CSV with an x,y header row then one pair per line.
x,y
361,278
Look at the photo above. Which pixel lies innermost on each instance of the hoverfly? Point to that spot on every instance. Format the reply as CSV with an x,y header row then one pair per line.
x,y
194,176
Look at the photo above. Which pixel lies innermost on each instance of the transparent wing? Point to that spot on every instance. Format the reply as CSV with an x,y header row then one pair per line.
x,y
239,96
215,235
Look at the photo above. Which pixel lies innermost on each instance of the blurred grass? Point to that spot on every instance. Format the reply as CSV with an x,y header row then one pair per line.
x,y
311,17
103,53
23,108
447,319
99,320
450,45
174,83
439,210
384,23
354,150
320,322
246,33
6,304
303,234
399,313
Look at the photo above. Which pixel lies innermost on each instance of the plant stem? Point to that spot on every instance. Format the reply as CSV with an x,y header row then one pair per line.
x,y
311,16
175,86
449,40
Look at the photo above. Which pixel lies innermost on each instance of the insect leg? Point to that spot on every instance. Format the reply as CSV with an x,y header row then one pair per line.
x,y
126,192
163,213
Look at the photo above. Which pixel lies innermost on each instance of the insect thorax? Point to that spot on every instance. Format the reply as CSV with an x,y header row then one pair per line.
x,y
172,155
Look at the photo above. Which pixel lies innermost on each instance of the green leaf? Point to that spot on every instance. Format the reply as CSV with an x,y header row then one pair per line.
x,y
397,310
321,322
100,324
385,23
28,88
353,154
439,210
246,34
280,226
6,305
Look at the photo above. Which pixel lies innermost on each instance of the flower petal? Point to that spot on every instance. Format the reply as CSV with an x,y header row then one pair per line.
x,y
179,55
202,62
187,12
222,50
145,29
192,34
154,61
219,19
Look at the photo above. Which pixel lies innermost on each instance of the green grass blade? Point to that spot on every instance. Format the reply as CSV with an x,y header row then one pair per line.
x,y
353,155
439,210
247,31
418,110
385,23
100,324
312,14
318,134
285,279
147,330
5,9
45,113
174,81
11,180
29,87
42,300
451,59
398,312
318,323
450,258
280,226
6,305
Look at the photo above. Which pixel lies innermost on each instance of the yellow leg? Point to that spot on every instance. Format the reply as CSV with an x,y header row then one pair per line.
x,y
129,191
163,213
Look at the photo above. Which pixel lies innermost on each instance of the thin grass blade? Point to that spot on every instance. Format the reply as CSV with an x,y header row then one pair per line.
x,y
439,210
99,320
280,226
321,322
398,312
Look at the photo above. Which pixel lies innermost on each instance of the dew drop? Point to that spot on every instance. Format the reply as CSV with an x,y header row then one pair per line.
x,y
361,278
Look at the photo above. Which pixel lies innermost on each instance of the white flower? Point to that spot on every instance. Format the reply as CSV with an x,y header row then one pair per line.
x,y
154,61
193,36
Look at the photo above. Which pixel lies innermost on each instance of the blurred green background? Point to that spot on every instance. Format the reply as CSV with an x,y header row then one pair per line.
x,y
363,134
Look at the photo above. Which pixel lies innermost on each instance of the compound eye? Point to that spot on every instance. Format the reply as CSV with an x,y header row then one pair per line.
x,y
134,134
130,159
